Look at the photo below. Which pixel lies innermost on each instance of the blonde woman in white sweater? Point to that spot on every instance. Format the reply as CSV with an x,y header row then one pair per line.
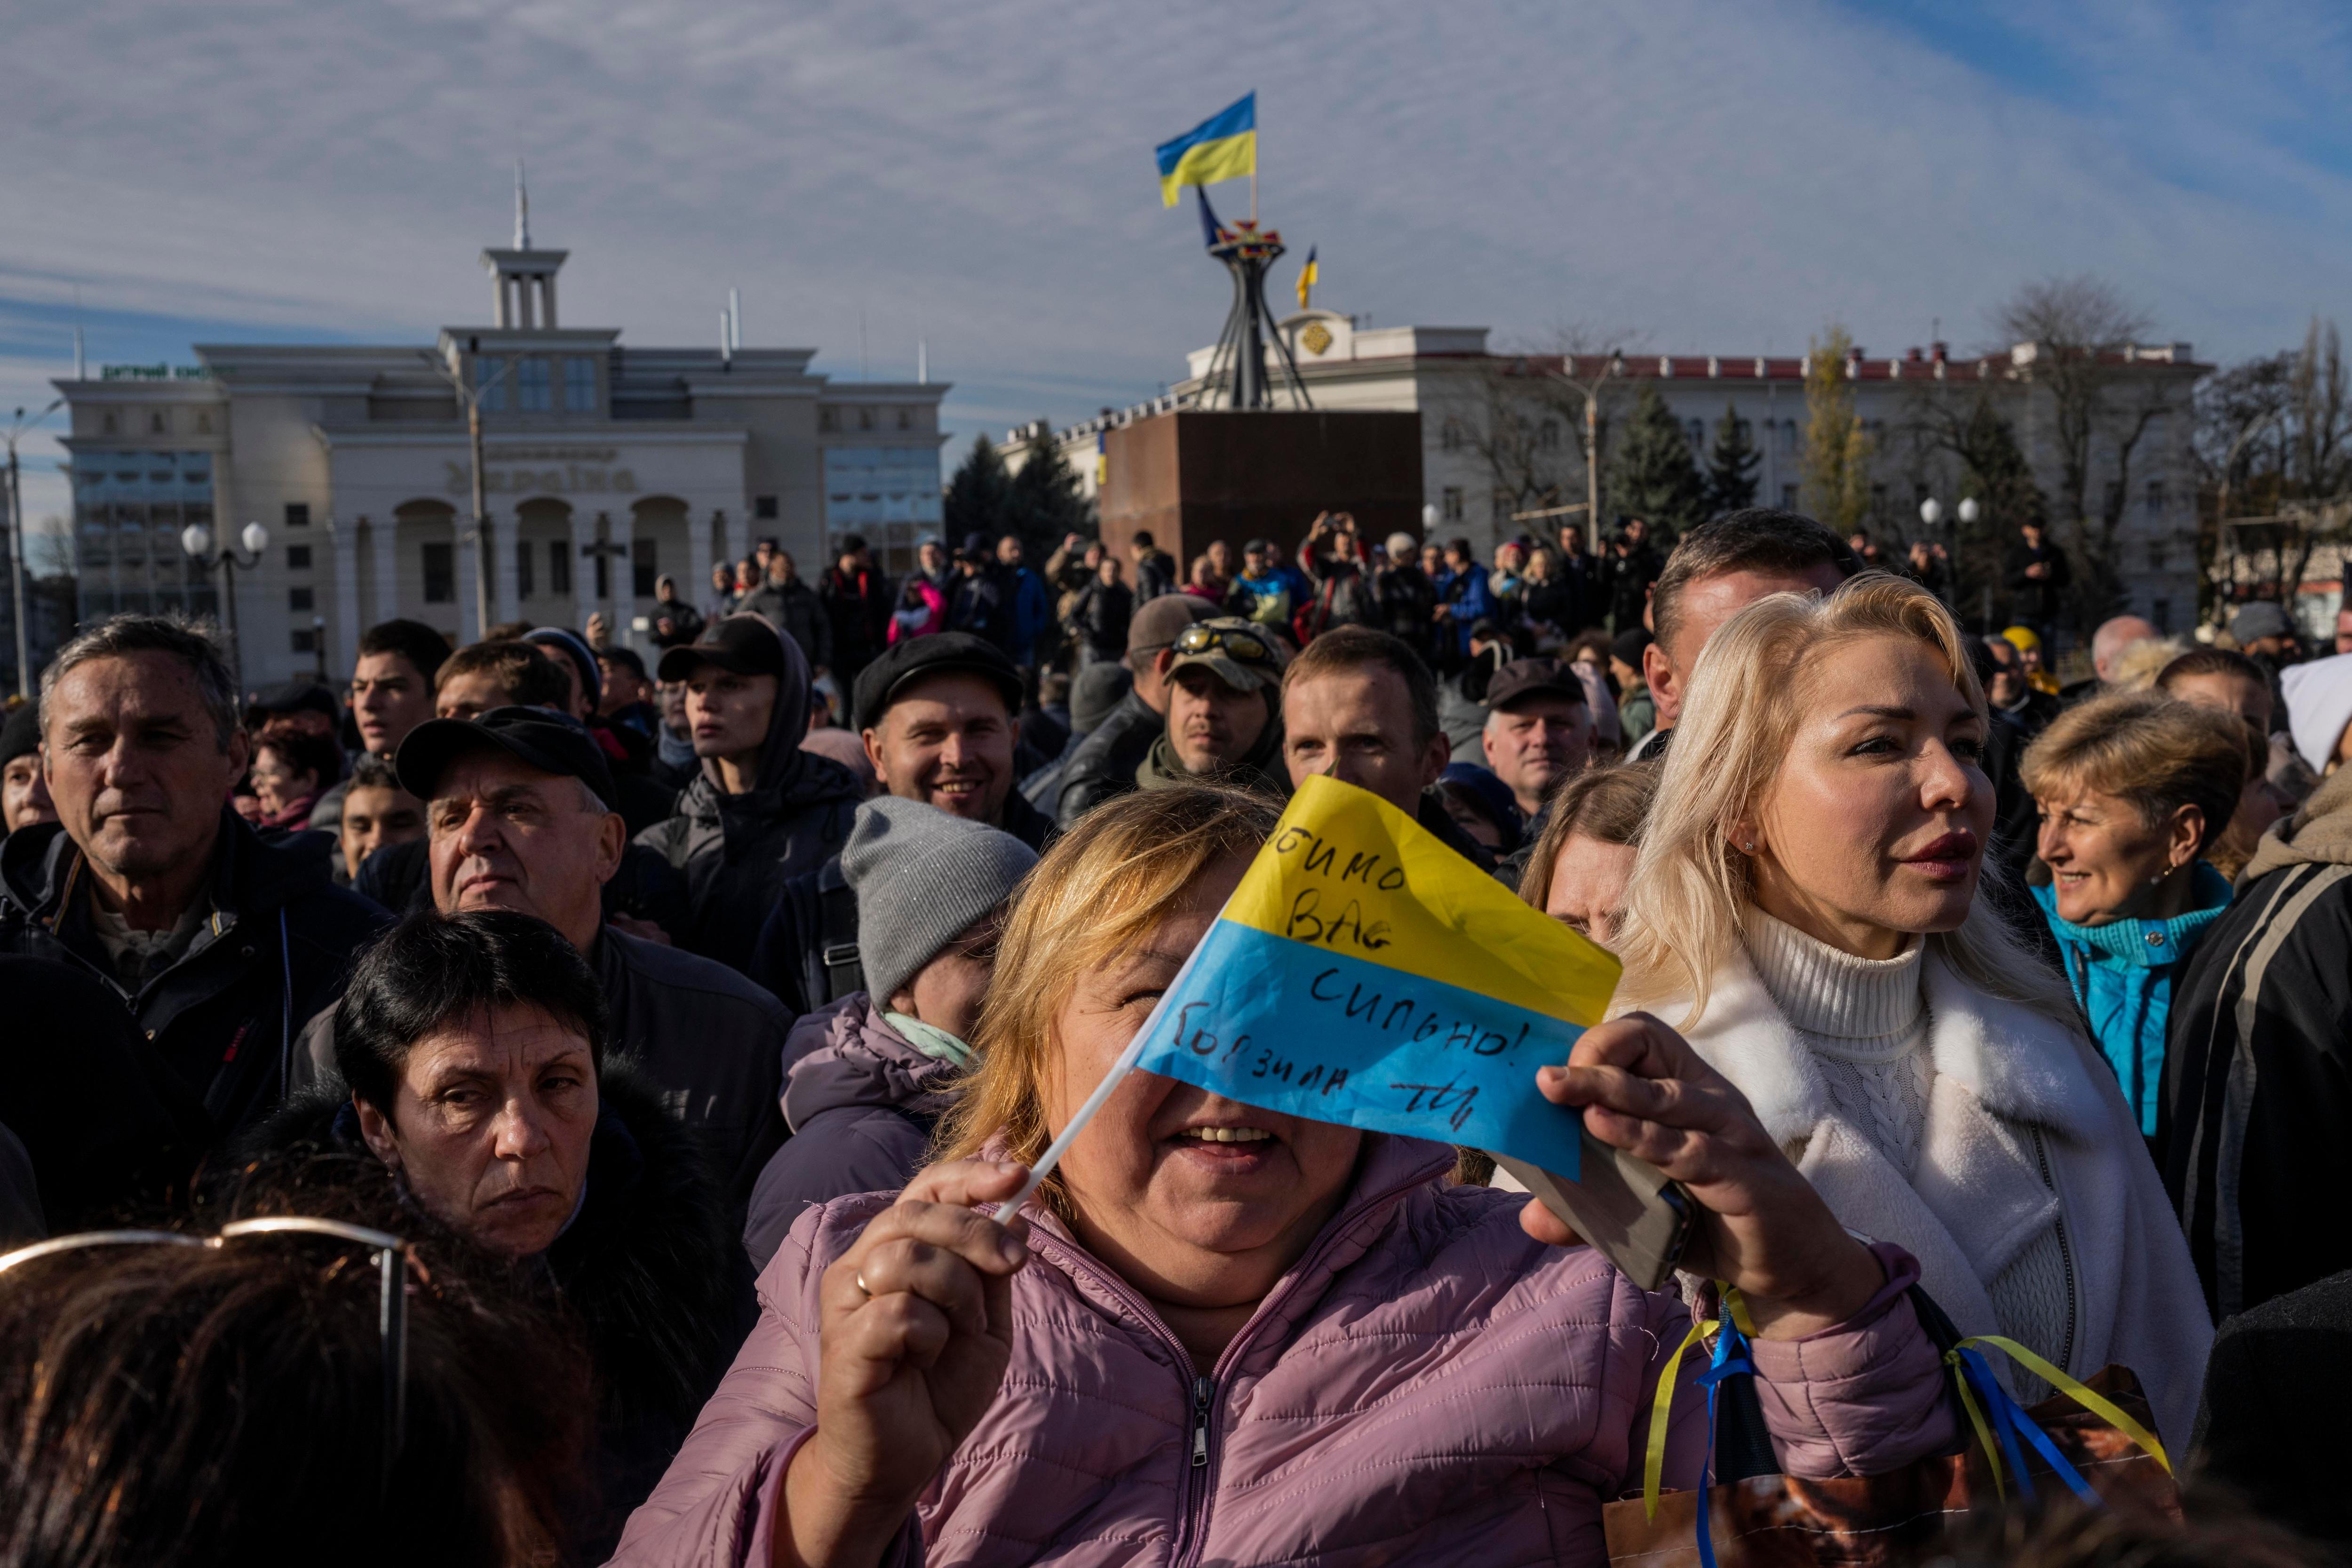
x,y
1804,909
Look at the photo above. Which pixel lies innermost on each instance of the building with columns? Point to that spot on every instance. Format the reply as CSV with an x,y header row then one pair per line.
x,y
603,467
1502,433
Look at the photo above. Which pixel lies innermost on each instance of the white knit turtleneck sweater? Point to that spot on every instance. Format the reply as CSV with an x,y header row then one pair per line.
x,y
1865,1021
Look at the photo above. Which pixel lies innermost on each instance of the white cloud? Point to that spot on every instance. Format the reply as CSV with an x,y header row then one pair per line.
x,y
1726,176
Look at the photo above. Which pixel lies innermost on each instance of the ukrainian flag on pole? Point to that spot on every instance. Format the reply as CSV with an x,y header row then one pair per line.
x,y
1221,147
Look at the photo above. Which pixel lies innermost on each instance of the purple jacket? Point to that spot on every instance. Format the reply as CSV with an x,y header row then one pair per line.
x,y
1426,1385
860,1102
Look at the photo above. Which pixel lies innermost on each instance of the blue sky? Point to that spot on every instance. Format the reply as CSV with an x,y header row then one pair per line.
x,y
1715,177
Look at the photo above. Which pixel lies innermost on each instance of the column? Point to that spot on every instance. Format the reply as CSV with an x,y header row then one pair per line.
x,y
469,625
621,529
584,566
347,593
693,574
383,540
499,548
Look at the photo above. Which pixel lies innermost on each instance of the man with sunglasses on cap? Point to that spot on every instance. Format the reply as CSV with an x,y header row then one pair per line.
x,y
1225,711
936,716
1104,765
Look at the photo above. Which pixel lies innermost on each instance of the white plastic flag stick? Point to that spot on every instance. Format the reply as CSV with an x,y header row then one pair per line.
x,y
1118,1070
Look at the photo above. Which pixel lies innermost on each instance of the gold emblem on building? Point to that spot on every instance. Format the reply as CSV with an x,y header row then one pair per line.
x,y
1317,337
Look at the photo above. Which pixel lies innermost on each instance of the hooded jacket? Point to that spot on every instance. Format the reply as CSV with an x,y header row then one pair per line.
x,y
737,850
2258,1081
645,1268
2123,975
1426,1384
861,1103
2026,1136
276,946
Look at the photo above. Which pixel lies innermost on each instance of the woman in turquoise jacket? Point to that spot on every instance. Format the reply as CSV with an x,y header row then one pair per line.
x,y
2132,788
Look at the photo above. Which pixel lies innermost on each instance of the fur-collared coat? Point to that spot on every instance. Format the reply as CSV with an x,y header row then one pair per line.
x,y
2014,1094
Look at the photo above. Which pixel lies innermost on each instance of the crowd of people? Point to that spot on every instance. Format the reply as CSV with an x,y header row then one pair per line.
x,y
625,1053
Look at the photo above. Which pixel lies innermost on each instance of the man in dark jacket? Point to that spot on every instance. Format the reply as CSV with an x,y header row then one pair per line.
x,y
937,717
1101,614
523,818
2037,574
762,810
1359,706
217,945
2258,1073
978,603
1105,762
857,599
1225,711
1632,564
793,609
866,1075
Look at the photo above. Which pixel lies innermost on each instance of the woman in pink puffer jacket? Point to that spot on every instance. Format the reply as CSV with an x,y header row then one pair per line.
x,y
1238,1336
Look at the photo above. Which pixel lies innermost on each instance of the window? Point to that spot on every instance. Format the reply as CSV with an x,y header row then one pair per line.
x,y
641,568
2160,555
297,558
440,573
764,506
1696,430
530,385
1449,437
1788,498
1548,436
305,640
2155,499
580,385
1449,503
159,423
522,568
1878,502
300,600
109,423
489,375
559,567
827,419
866,419
298,514
2160,612
1788,440
2111,499
905,419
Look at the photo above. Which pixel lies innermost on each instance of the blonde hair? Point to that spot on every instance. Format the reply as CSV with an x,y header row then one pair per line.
x,y
1095,897
1684,907
2153,750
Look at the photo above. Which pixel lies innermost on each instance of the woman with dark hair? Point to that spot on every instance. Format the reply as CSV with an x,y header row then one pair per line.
x,y
167,1402
291,769
470,1049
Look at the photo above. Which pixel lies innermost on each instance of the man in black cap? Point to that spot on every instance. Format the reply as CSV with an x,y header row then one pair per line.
x,y
1105,762
1224,711
761,810
937,717
978,604
521,814
1538,730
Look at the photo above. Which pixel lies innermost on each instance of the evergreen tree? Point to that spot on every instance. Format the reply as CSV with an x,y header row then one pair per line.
x,y
1731,465
1652,474
1043,502
1996,476
1837,450
979,498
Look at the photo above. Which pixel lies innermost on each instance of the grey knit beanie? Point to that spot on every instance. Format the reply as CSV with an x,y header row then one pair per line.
x,y
921,877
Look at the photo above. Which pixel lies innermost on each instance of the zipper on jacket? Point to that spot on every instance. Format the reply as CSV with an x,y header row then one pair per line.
x,y
1204,1388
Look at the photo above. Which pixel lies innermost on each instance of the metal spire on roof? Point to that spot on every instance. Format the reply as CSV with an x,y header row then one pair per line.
x,y
522,211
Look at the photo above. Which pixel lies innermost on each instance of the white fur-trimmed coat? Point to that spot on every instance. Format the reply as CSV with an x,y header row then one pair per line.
x,y
2007,1078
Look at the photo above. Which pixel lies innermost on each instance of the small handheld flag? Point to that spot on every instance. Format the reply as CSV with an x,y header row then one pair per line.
x,y
1308,276
1365,973
1221,147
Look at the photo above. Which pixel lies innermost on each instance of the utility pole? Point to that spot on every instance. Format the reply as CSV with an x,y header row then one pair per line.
x,y
1590,390
16,546
455,368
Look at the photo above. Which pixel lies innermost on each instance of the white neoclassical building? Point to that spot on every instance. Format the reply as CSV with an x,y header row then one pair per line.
x,y
604,467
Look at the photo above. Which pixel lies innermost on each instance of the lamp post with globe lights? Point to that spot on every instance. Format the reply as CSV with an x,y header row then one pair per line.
x,y
1965,515
208,554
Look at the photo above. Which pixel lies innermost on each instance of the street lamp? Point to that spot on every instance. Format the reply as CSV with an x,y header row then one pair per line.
x,y
197,541
17,545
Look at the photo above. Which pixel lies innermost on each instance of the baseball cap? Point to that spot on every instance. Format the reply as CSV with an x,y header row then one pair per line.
x,y
1238,652
942,653
2263,618
543,739
740,645
1155,625
1524,677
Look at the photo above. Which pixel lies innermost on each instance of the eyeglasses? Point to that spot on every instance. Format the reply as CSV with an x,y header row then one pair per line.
x,y
1241,644
392,1293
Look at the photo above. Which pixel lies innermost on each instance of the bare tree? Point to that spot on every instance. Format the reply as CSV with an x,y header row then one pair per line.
x,y
2082,332
2274,451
